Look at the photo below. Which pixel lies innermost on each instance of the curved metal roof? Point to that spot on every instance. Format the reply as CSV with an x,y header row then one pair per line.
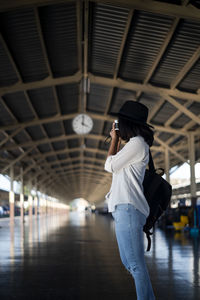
x,y
60,58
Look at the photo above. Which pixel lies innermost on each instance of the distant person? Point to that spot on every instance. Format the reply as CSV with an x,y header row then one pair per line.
x,y
126,200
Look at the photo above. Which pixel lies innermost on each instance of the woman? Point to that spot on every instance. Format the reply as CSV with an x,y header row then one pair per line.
x,y
126,200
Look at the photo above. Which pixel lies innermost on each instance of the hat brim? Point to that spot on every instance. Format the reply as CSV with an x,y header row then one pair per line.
x,y
131,119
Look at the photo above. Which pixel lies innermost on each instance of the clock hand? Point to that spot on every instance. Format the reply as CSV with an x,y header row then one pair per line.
x,y
82,123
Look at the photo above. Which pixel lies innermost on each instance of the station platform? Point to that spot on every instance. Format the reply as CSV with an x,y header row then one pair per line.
x,y
75,257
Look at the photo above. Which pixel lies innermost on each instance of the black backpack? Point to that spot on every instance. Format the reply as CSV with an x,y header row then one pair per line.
x,y
158,193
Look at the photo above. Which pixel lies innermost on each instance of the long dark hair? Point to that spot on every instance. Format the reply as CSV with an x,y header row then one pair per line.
x,y
129,129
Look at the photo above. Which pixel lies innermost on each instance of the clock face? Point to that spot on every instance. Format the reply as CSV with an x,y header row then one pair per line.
x,y
82,124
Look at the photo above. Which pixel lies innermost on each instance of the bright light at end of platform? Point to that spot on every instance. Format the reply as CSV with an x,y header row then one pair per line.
x,y
80,204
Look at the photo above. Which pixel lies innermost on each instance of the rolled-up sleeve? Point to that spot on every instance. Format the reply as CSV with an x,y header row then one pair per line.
x,y
132,152
108,166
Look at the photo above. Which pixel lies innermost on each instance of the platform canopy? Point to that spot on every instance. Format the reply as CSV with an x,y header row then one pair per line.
x,y
62,58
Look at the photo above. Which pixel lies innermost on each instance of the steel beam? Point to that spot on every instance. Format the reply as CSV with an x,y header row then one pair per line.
x,y
167,164
147,88
156,7
47,82
193,188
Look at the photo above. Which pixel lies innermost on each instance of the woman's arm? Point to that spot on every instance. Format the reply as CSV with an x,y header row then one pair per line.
x,y
115,141
132,152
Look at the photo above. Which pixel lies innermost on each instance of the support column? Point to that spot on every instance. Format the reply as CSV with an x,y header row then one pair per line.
x,y
36,205
22,196
39,204
46,204
12,195
30,203
167,164
193,188
36,200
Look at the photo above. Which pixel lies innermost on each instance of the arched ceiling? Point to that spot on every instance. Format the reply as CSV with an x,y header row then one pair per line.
x,y
61,58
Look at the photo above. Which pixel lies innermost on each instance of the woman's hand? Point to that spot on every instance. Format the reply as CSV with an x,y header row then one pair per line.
x,y
115,142
114,133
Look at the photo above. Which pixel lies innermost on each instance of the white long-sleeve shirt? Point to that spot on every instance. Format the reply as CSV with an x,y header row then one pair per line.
x,y
128,168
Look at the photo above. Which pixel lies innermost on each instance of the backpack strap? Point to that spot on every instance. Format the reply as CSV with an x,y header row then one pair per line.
x,y
148,233
151,163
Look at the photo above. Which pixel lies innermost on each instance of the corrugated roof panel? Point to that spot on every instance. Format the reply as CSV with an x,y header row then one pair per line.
x,y
100,165
164,136
105,37
97,126
74,154
43,101
21,137
181,101
35,132
191,80
15,153
119,97
147,35
156,144
107,128
33,151
7,73
68,97
53,129
196,126
73,143
68,127
51,158
62,156
89,154
150,100
176,140
20,33
101,156
59,27
88,162
104,146
59,145
9,143
18,104
55,166
97,98
163,114
5,117
91,143
177,2
67,164
76,168
44,148
181,121
181,48
3,136
75,162
195,108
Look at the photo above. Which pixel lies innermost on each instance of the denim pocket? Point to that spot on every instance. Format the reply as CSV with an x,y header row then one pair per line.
x,y
121,215
121,207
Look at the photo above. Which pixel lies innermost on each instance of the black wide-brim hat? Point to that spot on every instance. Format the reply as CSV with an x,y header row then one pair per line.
x,y
135,112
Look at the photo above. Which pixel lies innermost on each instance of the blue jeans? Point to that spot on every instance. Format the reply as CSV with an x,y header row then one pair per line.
x,y
129,233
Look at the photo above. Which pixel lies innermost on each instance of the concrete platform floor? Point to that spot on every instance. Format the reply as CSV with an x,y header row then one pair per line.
x,y
76,257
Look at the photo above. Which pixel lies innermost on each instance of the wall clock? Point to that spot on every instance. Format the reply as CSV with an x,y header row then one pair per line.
x,y
82,124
